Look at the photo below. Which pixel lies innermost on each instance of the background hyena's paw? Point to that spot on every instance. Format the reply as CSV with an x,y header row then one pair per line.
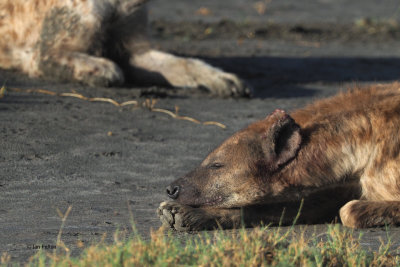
x,y
227,84
182,218
81,67
99,72
215,80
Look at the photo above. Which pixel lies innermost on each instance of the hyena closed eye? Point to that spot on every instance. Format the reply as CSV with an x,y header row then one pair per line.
x,y
341,155
99,43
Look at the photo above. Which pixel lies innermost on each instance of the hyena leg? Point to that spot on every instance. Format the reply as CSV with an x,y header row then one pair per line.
x,y
81,67
148,66
165,68
363,213
185,218
71,42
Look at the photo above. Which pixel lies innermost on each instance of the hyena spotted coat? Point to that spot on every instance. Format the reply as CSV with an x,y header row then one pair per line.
x,y
341,155
99,43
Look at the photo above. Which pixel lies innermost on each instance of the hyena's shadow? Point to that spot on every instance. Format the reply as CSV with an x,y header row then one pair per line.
x,y
283,77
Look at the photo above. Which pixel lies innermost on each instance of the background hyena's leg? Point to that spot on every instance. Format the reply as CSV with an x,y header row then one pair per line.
x,y
81,67
185,72
147,66
363,213
71,44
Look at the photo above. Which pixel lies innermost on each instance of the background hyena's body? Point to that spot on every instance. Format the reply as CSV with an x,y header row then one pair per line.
x,y
97,42
338,154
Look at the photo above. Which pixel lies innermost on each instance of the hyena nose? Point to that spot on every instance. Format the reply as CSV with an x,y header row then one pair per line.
x,y
173,192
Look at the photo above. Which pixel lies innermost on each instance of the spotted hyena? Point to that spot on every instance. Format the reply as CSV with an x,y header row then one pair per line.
x,y
341,155
99,43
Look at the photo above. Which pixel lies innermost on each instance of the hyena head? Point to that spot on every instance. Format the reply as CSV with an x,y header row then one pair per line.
x,y
245,168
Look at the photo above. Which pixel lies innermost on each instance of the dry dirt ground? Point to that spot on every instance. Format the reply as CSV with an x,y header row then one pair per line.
x,y
105,160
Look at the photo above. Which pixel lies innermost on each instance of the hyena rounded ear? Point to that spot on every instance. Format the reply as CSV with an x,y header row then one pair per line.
x,y
282,139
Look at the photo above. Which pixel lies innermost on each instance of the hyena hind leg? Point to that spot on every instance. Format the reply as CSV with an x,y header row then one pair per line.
x,y
81,67
153,66
363,213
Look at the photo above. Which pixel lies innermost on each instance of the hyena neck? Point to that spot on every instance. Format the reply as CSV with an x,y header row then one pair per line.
x,y
330,154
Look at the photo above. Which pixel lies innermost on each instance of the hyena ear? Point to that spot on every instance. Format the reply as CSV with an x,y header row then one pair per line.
x,y
281,141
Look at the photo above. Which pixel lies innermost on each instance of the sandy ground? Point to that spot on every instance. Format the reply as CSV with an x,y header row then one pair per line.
x,y
104,160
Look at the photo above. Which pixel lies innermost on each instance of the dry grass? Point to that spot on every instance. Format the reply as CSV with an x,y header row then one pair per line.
x,y
147,104
262,246
2,91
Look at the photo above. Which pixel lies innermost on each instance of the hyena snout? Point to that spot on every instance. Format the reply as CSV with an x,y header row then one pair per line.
x,y
173,191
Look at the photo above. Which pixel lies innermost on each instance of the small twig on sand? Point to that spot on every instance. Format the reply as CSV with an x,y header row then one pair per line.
x,y
148,103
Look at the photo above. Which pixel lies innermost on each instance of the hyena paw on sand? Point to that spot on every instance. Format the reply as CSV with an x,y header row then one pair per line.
x,y
184,218
99,43
340,155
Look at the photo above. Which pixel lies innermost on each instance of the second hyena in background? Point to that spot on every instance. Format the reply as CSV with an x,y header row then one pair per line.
x,y
99,43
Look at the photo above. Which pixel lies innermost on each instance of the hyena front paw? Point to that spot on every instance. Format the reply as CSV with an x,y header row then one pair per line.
x,y
187,72
217,81
99,72
81,67
227,84
183,218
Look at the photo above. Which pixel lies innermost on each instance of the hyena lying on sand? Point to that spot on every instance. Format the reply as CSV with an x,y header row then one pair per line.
x,y
99,43
341,155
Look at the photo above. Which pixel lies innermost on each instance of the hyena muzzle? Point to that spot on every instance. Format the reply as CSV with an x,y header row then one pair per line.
x,y
340,155
99,43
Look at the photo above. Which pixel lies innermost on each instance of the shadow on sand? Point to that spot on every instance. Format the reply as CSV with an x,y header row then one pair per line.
x,y
283,77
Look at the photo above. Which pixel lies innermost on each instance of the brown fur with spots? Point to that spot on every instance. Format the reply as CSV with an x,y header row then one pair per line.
x,y
341,155
99,43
